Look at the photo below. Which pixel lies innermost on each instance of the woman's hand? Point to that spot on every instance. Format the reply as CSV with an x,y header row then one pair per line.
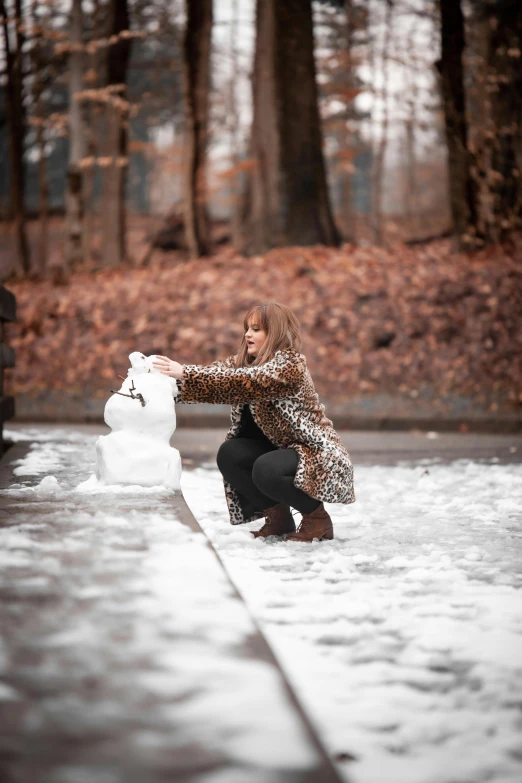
x,y
168,367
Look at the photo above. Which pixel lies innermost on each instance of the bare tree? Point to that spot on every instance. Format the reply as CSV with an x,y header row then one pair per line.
x,y
196,60
94,76
234,130
115,143
450,66
382,141
39,122
288,203
13,51
351,85
410,132
74,205
500,164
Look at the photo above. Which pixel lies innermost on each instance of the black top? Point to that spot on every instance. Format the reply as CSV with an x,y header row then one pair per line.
x,y
249,428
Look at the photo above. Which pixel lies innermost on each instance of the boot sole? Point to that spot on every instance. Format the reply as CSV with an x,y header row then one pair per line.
x,y
325,537
273,535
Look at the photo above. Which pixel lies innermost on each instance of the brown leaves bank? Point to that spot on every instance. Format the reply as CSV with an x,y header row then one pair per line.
x,y
401,320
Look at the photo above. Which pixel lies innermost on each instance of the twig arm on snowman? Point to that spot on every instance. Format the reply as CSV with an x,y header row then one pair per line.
x,y
230,385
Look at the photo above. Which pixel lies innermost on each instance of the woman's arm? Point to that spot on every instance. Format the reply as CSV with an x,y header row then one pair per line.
x,y
230,385
175,370
230,361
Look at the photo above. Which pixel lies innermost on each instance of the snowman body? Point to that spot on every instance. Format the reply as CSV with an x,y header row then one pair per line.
x,y
142,419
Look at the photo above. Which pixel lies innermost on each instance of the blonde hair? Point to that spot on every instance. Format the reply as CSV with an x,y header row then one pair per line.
x,y
282,331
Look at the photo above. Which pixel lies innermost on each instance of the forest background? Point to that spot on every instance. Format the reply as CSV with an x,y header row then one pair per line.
x,y
166,165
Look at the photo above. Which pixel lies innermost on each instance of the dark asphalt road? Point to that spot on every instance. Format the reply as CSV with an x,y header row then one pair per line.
x,y
365,447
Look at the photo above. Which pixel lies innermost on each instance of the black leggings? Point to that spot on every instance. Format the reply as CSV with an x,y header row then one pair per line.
x,y
263,473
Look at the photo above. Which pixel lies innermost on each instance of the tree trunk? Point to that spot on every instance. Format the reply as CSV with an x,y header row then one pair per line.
x,y
74,207
462,187
196,61
410,127
96,68
348,213
235,187
43,185
382,143
115,147
503,172
289,202
43,200
16,130
410,178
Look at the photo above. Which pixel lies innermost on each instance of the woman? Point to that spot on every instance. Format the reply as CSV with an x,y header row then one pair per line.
x,y
281,451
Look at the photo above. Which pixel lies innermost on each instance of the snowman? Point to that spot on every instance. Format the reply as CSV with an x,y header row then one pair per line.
x,y
142,418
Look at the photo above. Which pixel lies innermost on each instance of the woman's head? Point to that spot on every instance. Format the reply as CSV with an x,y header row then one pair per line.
x,y
268,328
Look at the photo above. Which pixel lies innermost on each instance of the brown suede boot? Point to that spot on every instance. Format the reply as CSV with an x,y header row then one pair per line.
x,y
318,524
278,522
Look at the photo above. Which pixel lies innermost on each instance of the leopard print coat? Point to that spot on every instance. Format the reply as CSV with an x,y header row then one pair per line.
x,y
286,407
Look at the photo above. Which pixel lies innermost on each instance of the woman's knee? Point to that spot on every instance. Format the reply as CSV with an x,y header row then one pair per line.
x,y
237,453
227,455
274,467
263,471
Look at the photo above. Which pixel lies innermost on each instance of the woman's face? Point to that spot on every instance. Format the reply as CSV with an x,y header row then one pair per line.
x,y
255,337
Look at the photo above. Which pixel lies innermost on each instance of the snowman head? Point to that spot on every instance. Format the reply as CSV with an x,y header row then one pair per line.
x,y
138,363
142,364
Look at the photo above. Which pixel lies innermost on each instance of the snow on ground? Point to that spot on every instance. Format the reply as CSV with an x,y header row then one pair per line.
x,y
403,635
114,657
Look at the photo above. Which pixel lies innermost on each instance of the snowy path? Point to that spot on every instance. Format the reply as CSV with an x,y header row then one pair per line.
x,y
125,654
403,636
